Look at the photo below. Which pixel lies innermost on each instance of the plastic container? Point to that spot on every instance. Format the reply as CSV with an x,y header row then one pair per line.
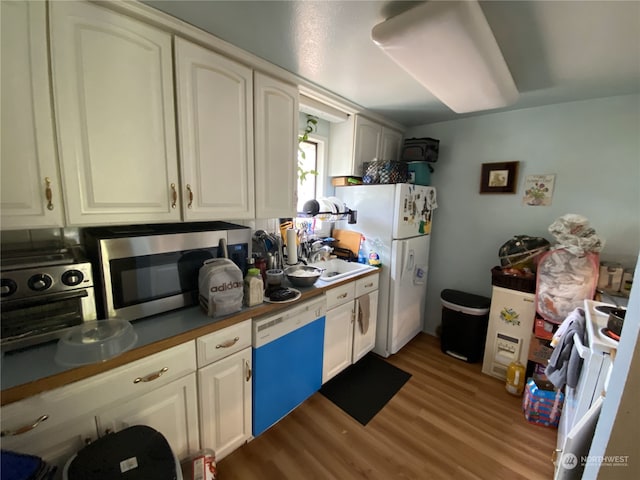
x,y
515,378
419,173
465,318
253,288
95,342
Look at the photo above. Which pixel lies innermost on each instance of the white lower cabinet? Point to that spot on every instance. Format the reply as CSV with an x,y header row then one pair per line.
x,y
171,410
338,340
224,388
225,403
364,328
158,390
55,443
350,324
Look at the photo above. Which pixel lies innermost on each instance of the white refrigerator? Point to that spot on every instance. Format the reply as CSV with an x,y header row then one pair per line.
x,y
396,220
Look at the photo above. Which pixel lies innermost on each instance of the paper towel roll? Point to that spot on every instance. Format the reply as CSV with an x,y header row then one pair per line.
x,y
292,246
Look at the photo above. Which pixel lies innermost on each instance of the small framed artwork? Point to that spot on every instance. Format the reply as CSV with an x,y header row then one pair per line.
x,y
499,177
538,190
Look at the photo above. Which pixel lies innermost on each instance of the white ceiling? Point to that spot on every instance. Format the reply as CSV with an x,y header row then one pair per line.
x,y
557,51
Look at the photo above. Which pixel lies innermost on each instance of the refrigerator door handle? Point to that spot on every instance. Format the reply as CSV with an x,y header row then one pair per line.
x,y
411,260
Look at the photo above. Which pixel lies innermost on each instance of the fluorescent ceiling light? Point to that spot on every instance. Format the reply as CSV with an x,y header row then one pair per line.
x,y
449,48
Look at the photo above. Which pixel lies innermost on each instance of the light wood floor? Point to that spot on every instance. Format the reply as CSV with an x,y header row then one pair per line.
x,y
448,421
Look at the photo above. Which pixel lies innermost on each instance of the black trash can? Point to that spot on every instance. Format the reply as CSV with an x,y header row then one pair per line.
x,y
465,317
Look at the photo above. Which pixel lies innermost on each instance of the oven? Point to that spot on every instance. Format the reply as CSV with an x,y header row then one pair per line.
x,y
146,270
43,295
583,402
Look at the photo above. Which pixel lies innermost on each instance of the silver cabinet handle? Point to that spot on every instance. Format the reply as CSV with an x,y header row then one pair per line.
x,y
152,376
368,285
344,295
24,429
228,343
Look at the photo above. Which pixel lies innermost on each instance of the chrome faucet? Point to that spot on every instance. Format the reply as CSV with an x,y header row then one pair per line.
x,y
319,252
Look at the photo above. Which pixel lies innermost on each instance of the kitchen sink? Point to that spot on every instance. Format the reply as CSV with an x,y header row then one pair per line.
x,y
336,270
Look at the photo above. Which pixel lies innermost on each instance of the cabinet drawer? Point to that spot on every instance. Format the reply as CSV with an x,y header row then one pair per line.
x,y
339,295
222,343
366,285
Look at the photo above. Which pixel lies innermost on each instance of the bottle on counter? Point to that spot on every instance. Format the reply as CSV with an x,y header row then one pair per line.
x,y
253,288
515,378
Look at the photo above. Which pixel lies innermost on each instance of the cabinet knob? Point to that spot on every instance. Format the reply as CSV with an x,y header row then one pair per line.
x,y
48,193
190,193
152,376
174,195
24,429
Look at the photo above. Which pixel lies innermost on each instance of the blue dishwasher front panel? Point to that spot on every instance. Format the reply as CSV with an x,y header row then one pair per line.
x,y
286,372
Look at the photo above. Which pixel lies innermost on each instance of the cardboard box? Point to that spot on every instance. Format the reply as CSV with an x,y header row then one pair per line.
x,y
543,329
539,351
540,406
345,181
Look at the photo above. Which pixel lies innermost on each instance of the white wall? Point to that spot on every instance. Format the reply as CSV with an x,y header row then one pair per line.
x,y
593,148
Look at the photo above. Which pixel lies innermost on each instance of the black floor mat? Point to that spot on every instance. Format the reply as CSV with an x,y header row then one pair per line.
x,y
363,389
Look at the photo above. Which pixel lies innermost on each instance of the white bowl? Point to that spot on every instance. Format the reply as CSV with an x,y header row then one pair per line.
x,y
95,342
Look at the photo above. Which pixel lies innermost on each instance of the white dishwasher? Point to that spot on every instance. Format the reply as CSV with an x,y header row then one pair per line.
x,y
287,361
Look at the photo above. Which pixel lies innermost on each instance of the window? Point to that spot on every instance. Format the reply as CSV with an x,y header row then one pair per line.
x,y
311,185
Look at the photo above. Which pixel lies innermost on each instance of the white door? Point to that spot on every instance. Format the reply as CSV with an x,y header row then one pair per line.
x,y
29,166
409,268
215,129
413,213
171,409
365,340
225,403
276,147
113,97
338,340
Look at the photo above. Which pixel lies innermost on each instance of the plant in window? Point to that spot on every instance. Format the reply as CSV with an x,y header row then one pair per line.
x,y
312,123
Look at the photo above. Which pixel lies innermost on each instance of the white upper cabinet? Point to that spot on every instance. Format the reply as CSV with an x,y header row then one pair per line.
x,y
391,143
276,147
358,141
113,97
215,125
30,185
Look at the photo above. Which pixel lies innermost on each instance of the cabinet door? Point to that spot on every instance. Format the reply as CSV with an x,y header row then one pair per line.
x,y
54,444
225,403
172,410
29,162
113,98
338,340
390,145
364,341
215,125
368,138
276,144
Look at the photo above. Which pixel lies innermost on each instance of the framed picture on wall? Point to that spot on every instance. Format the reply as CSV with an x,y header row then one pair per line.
x,y
499,177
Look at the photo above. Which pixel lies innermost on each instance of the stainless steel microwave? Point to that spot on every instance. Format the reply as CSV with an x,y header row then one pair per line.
x,y
145,270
